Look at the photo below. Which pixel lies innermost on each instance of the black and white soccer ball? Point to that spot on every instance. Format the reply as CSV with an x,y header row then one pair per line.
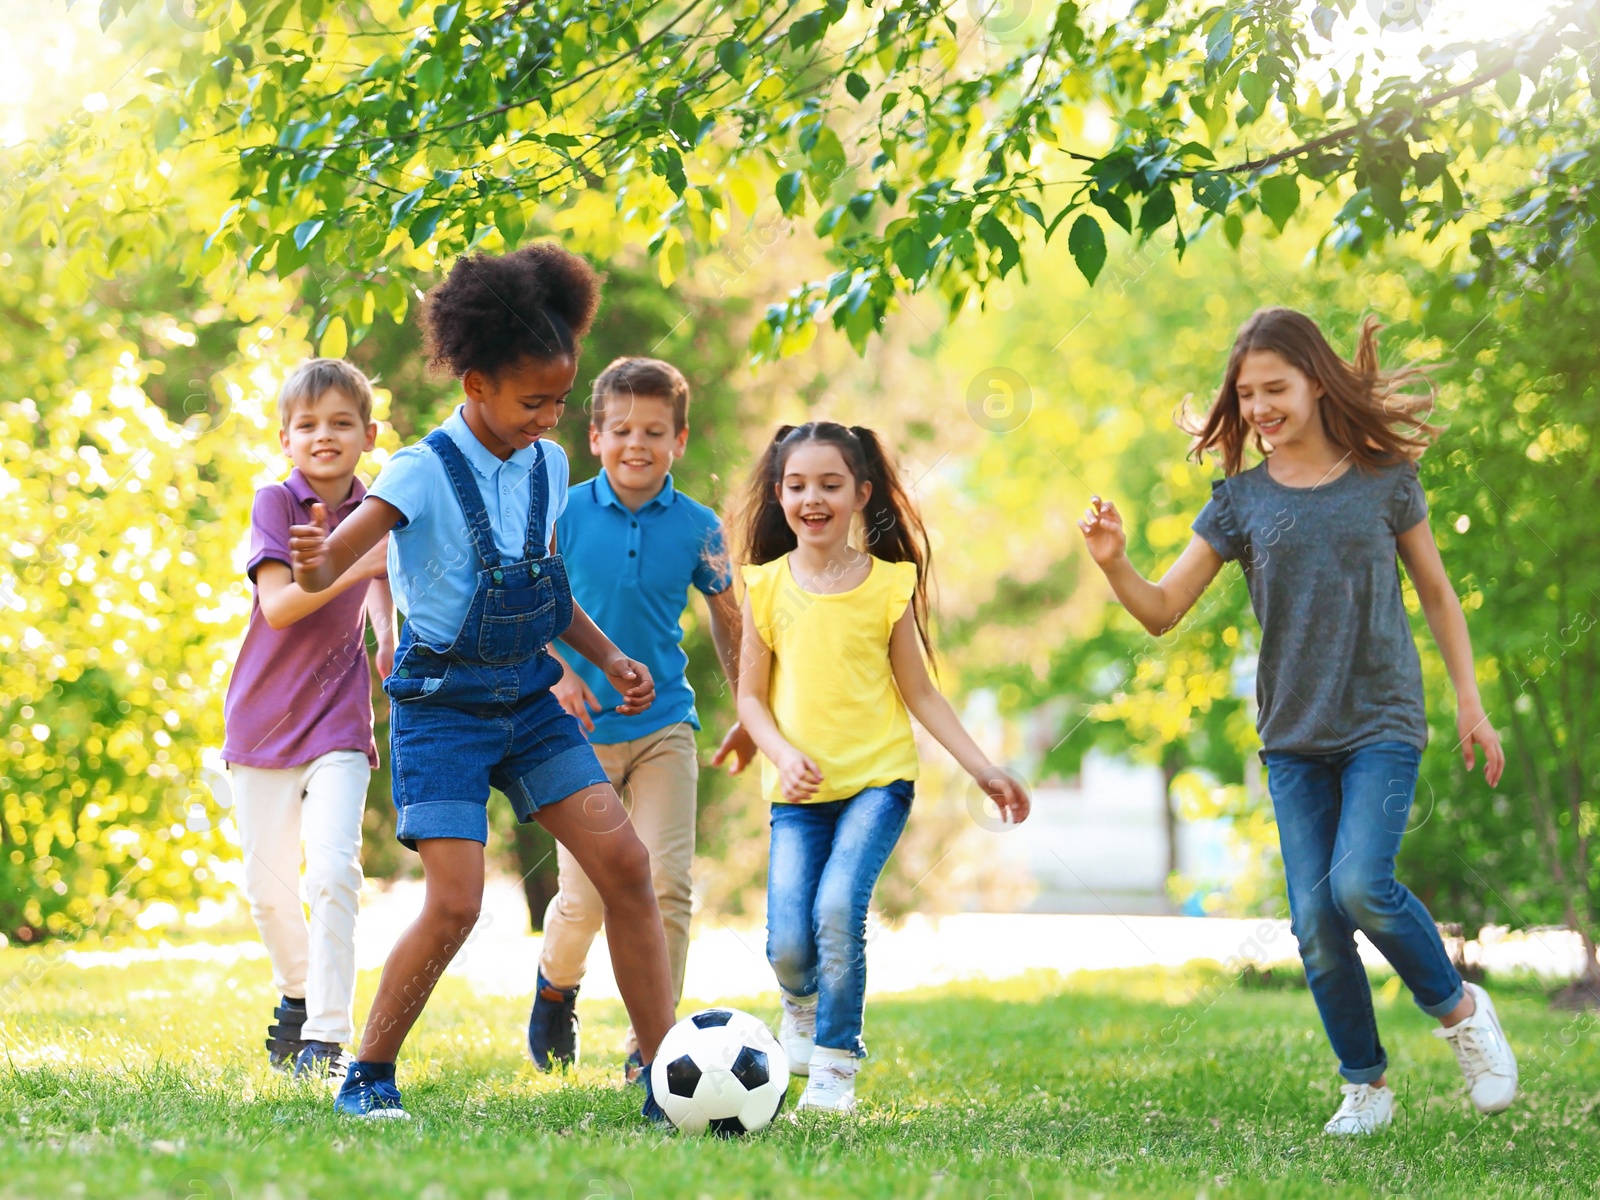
x,y
720,1070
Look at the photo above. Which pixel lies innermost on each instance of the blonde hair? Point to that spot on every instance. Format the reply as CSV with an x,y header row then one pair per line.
x,y
306,383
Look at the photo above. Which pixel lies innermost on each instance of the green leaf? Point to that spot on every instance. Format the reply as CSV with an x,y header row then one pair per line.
x,y
1429,167
445,16
806,30
1087,241
1116,206
422,228
1159,208
1450,193
167,127
733,56
856,86
788,191
508,219
1256,88
910,253
403,206
685,125
306,231
1280,196
995,235
1233,229
1508,87
1213,190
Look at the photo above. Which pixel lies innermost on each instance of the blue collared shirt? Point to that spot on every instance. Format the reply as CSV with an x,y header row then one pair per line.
x,y
432,566
631,572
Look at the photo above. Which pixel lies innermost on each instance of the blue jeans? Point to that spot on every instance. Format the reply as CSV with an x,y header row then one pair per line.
x,y
1340,820
826,859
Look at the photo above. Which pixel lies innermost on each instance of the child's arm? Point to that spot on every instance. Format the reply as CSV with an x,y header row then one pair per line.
x,y
933,713
627,675
1420,553
1156,606
738,747
798,775
283,601
319,558
380,612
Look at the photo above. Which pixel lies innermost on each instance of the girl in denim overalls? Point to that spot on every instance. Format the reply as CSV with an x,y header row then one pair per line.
x,y
472,510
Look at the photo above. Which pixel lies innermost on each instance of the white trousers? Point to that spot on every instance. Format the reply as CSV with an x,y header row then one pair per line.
x,y
319,803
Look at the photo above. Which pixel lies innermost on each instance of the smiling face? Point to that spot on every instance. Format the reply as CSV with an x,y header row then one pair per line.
x,y
819,495
1277,399
326,437
637,443
513,408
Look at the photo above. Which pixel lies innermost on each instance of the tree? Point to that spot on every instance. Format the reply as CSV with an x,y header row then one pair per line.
x,y
358,131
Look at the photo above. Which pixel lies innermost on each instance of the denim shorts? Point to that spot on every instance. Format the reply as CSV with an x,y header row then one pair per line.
x,y
456,735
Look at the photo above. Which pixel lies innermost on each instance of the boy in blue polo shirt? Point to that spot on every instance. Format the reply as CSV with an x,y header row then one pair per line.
x,y
634,545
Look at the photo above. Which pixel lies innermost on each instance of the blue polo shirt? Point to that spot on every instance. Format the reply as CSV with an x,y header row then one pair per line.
x,y
433,568
631,572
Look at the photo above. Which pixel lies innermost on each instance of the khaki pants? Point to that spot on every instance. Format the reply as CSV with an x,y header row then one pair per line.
x,y
656,777
319,804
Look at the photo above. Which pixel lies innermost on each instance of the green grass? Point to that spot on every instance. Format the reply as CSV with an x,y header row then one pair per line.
x,y
149,1081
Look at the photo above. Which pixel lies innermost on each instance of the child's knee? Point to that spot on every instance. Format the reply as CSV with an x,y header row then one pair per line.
x,y
627,872
453,915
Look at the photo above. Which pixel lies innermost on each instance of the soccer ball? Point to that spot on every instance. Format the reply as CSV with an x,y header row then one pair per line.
x,y
720,1070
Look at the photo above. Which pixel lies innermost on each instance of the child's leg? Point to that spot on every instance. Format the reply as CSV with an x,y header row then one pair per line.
x,y
866,834
576,912
453,869
802,839
268,809
1378,784
662,783
593,825
1305,799
336,794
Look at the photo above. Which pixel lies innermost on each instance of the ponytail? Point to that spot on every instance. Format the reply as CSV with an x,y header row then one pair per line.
x,y
892,528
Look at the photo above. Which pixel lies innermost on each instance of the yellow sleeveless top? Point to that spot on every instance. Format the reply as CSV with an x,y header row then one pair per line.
x,y
832,693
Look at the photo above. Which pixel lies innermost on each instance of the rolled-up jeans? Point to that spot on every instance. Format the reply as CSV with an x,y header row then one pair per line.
x,y
825,861
1340,820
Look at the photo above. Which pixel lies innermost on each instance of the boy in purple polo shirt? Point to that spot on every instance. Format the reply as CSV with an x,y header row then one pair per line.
x,y
299,721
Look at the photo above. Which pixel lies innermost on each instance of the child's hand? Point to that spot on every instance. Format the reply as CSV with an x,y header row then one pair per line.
x,y
1009,794
1102,531
308,544
798,776
1473,729
738,749
632,679
574,695
385,659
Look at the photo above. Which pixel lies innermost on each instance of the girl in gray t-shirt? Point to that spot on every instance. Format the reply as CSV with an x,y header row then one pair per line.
x,y
1317,526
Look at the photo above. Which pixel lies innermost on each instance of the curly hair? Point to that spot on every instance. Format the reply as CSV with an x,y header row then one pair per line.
x,y
492,312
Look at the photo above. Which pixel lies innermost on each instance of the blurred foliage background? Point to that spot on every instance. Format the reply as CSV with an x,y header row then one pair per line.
x,y
137,378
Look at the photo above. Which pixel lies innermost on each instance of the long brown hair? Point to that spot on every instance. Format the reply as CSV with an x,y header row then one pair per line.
x,y
893,528
1365,410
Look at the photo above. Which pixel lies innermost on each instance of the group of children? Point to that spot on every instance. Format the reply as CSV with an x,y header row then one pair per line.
x,y
493,557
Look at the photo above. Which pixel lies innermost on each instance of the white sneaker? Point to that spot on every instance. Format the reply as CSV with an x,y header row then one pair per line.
x,y
1484,1054
832,1086
1366,1109
797,1034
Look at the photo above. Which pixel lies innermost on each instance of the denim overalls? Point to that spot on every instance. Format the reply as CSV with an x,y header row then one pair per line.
x,y
478,712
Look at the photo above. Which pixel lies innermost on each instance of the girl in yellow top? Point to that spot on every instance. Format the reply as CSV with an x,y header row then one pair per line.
x,y
833,660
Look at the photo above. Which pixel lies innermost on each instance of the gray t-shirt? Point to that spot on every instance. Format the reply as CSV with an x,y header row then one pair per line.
x,y
1338,667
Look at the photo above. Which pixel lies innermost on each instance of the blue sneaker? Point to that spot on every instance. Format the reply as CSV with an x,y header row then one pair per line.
x,y
369,1093
553,1026
325,1061
652,1111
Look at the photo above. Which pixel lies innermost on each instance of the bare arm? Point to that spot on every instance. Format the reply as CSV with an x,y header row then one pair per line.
x,y
1156,606
738,748
799,775
380,614
933,712
283,601
1420,553
318,558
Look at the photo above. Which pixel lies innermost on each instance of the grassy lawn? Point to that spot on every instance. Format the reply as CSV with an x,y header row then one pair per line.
x,y
150,1081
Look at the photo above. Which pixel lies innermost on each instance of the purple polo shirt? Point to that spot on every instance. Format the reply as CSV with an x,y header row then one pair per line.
x,y
300,692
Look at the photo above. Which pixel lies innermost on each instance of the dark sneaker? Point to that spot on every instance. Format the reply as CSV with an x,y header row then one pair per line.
x,y
652,1111
322,1060
553,1026
633,1069
284,1042
369,1092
